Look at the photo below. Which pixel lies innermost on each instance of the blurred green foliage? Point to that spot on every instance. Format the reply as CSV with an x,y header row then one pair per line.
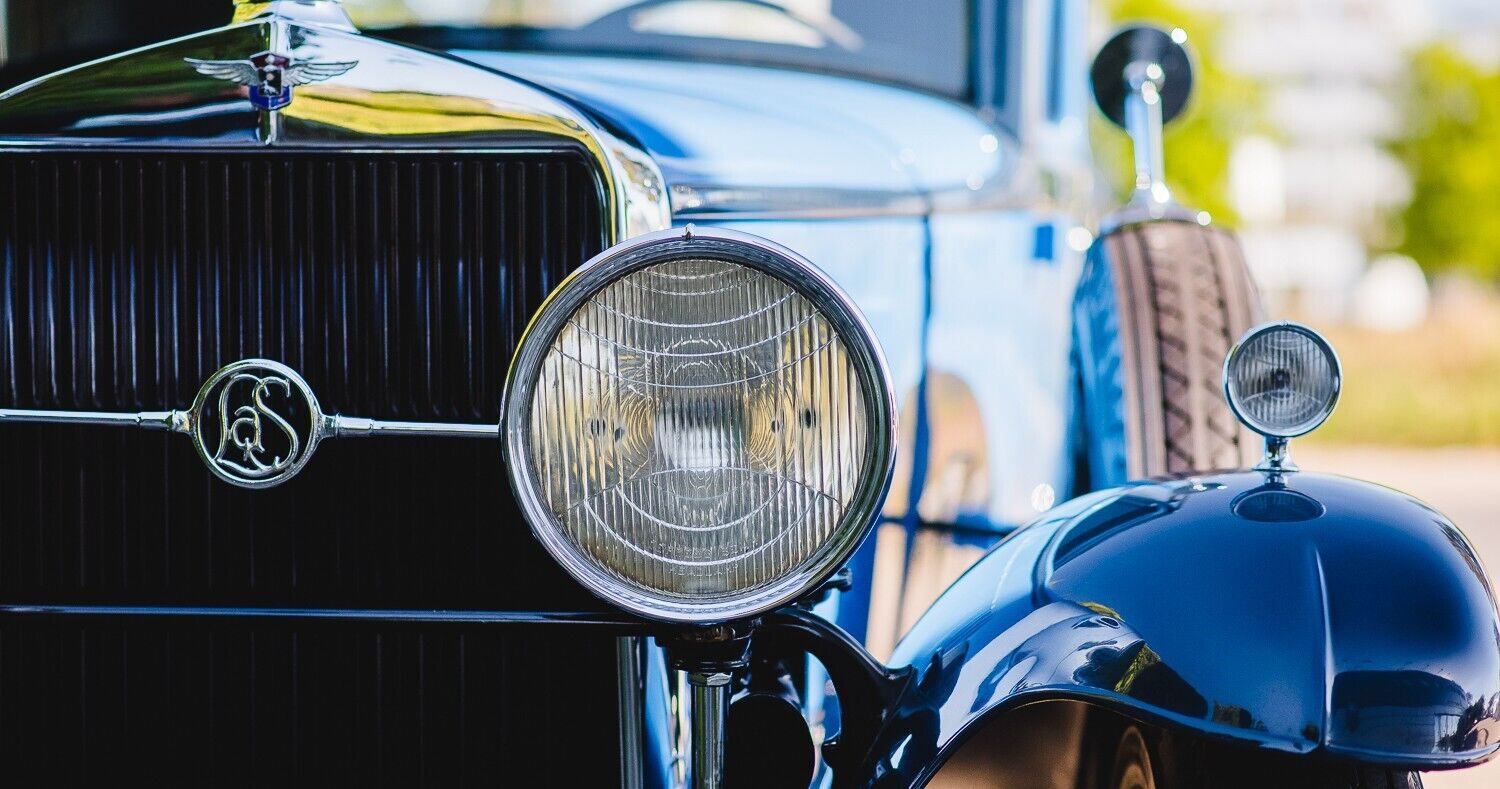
x,y
1223,107
1451,148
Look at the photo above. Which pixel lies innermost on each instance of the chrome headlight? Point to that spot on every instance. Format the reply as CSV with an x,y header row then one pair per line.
x,y
1282,380
699,425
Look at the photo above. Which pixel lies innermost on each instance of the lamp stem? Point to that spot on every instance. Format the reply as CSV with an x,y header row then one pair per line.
x,y
710,709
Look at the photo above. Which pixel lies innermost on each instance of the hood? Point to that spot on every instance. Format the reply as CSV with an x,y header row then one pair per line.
x,y
724,138
192,90
748,139
297,75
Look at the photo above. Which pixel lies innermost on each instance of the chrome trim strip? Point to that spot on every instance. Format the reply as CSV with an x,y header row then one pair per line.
x,y
708,203
1003,192
358,427
241,423
148,420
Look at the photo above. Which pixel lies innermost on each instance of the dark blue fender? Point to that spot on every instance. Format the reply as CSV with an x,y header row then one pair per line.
x,y
1310,613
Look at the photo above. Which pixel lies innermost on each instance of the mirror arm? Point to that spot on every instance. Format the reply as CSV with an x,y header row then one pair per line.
x,y
1143,122
1142,78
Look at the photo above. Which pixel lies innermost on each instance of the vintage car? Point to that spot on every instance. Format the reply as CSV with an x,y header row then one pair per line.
x,y
598,393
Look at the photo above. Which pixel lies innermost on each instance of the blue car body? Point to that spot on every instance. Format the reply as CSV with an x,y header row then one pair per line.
x,y
1304,614
1299,613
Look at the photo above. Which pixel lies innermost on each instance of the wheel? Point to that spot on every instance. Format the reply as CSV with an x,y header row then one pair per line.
x,y
1147,758
1158,306
1132,768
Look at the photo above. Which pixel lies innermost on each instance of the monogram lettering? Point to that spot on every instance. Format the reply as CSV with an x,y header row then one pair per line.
x,y
245,434
256,423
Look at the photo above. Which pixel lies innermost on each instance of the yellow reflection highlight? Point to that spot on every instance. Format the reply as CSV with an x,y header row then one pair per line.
x,y
402,113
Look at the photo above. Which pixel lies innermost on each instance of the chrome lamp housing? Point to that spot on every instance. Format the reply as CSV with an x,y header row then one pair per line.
x,y
699,426
1282,380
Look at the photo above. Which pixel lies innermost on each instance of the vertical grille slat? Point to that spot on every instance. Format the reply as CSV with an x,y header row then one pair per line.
x,y
397,285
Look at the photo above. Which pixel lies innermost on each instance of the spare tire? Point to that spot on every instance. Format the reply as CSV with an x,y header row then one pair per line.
x,y
1157,309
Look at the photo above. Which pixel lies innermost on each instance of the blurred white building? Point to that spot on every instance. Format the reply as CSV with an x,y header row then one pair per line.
x,y
1311,195
1474,28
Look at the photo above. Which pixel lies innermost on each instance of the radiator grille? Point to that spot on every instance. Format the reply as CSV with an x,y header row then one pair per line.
x,y
397,286
332,705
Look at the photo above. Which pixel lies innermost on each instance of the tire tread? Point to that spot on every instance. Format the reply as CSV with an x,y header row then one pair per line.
x,y
1182,295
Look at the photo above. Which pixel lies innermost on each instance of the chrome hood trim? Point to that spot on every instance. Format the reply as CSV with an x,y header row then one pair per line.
x,y
392,98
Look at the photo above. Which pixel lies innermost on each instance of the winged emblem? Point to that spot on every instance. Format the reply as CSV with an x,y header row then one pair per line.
x,y
270,76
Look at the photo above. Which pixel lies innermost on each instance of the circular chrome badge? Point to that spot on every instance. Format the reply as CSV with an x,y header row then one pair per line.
x,y
256,423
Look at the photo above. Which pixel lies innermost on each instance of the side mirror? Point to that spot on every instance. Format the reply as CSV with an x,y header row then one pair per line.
x,y
1142,78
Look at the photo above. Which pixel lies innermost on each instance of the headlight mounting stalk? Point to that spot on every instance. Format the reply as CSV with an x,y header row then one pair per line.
x,y
709,656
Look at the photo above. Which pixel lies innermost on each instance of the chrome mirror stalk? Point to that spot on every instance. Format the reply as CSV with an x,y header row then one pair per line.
x,y
1142,80
1143,122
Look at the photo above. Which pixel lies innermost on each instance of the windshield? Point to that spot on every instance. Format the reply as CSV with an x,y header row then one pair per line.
x,y
920,43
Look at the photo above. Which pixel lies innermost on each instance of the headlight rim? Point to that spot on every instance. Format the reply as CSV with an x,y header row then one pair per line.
x,y
1319,340
736,248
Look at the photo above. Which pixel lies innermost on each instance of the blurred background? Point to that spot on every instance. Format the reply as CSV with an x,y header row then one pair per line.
x,y
1354,144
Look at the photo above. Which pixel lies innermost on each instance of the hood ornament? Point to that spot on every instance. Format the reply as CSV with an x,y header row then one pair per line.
x,y
255,423
271,76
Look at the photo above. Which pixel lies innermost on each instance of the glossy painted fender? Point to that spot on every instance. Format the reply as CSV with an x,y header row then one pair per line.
x,y
1306,613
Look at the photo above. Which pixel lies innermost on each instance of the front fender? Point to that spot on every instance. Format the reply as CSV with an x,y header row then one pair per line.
x,y
1303,613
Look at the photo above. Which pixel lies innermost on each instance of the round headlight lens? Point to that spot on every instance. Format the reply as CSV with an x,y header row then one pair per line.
x,y
702,425
1282,380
